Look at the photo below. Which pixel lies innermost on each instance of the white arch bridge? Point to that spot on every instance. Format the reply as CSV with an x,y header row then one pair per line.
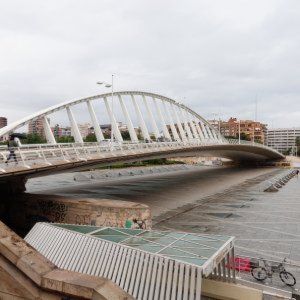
x,y
168,129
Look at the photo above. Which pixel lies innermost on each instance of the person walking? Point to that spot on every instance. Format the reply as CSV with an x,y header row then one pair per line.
x,y
12,144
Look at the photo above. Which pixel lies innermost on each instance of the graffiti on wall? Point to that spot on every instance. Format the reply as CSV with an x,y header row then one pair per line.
x,y
55,211
82,219
135,224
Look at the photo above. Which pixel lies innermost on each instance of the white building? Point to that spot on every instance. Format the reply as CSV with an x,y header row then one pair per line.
x,y
283,139
84,129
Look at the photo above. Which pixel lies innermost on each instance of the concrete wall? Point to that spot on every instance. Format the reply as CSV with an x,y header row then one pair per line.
x,y
229,291
27,209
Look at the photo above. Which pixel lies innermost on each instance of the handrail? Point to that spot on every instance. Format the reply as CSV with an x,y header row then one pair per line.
x,y
49,153
250,143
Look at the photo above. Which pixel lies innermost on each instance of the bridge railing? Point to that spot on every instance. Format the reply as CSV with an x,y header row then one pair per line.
x,y
243,142
34,155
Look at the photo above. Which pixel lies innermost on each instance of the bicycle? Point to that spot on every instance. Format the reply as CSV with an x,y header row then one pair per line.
x,y
264,270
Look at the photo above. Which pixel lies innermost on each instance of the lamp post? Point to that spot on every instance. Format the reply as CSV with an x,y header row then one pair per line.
x,y
108,85
253,134
239,131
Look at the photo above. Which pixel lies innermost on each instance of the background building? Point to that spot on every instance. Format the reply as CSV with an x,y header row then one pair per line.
x,y
84,129
36,127
3,122
283,139
249,129
59,132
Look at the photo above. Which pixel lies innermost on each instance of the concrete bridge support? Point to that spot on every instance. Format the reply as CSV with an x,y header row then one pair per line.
x,y
10,188
12,185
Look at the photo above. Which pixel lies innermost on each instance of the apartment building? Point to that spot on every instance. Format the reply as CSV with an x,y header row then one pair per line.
x,y
3,122
283,139
36,127
249,128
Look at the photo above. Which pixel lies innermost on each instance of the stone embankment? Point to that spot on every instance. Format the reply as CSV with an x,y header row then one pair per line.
x,y
26,274
280,182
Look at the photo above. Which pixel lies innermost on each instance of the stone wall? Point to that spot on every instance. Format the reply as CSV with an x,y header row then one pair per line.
x,y
27,209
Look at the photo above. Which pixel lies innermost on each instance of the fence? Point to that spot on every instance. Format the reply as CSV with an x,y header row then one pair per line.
x,y
244,266
33,155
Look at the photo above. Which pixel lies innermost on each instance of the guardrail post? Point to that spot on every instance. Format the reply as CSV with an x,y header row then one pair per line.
x,y
62,152
43,154
22,158
84,151
76,152
233,264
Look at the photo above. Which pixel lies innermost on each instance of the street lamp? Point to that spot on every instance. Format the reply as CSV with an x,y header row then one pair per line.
x,y
108,85
239,131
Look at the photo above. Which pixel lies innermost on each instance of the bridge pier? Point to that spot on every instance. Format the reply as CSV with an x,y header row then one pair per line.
x,y
10,189
12,186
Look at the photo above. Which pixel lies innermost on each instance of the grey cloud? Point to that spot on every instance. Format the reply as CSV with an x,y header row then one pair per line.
x,y
217,56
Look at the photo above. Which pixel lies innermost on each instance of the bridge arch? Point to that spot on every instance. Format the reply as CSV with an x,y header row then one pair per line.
x,y
167,118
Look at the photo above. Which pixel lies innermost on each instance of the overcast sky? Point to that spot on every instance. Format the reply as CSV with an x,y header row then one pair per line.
x,y
218,57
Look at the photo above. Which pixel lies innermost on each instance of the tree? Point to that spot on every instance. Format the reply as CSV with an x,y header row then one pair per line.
x,y
66,139
125,135
56,132
245,136
297,142
90,138
106,135
258,141
231,137
33,139
139,134
287,151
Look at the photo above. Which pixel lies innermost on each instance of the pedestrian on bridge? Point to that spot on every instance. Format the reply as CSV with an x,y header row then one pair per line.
x,y
12,144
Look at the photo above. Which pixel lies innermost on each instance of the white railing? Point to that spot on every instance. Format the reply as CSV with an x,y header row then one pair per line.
x,y
245,264
250,143
33,156
48,154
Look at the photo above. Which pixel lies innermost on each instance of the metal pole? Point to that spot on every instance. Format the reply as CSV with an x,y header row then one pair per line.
x,y
112,108
253,134
239,131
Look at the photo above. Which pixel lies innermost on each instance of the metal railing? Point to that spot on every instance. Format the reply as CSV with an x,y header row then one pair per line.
x,y
245,264
48,154
250,143
244,142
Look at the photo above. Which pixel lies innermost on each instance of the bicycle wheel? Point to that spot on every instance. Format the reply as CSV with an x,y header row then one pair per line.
x,y
287,278
259,273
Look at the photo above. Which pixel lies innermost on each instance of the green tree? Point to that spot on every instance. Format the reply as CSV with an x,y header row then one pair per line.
x,y
287,151
90,138
33,139
66,139
258,141
106,135
297,142
245,136
125,135
232,137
